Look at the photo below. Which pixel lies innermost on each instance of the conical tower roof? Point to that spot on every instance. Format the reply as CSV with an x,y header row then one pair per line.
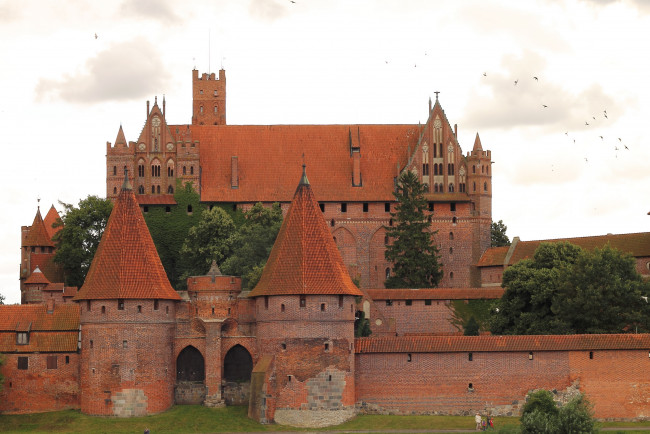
x,y
120,139
477,144
50,218
304,258
126,264
38,235
37,277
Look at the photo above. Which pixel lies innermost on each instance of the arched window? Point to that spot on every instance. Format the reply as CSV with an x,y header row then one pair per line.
x,y
114,190
451,235
435,169
158,189
190,365
440,169
215,109
184,170
451,188
435,187
201,109
473,169
114,170
485,186
141,189
451,275
155,170
238,364
474,186
191,170
487,170
141,169
153,189
170,190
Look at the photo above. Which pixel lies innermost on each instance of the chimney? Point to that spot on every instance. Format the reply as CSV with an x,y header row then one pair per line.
x,y
50,305
356,169
234,173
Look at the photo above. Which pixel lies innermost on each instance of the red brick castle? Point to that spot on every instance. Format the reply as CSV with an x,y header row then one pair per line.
x,y
127,344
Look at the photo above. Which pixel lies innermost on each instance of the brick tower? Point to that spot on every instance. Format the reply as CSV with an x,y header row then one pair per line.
x,y
304,305
127,320
208,98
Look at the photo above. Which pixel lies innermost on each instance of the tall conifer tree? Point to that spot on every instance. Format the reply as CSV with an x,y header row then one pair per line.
x,y
411,250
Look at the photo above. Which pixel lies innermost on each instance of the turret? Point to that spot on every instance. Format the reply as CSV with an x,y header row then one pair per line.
x,y
208,98
304,305
127,314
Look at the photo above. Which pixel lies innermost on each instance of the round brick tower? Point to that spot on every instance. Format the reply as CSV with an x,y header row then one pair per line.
x,y
304,307
127,320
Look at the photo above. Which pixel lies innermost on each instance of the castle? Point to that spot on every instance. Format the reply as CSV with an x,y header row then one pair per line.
x,y
126,343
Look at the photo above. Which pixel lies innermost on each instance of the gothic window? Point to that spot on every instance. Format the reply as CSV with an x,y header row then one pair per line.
x,y
22,338
114,170
451,188
487,170
170,190
451,235
153,189
141,189
485,186
451,275
201,110
425,169
158,189
114,190
170,171
215,109
191,170
155,170
440,147
452,169
474,186
435,169
184,170
440,169
473,169
141,169
435,188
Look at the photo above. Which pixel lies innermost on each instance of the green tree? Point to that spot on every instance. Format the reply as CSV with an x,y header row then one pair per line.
x,y
209,240
169,227
542,415
565,289
498,234
79,237
2,299
252,243
471,328
412,251
361,325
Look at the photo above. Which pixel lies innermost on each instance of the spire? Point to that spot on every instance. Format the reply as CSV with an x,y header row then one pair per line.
x,y
126,265
38,234
304,258
52,217
303,179
126,185
477,144
120,139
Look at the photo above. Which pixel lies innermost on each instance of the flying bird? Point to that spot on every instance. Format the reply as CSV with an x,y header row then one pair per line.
x,y
544,105
626,147
586,123
601,138
566,134
619,139
96,36
616,148
516,81
586,161
485,74
605,113
536,79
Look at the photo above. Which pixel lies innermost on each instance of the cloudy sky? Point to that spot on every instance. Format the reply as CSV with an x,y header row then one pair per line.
x,y
569,147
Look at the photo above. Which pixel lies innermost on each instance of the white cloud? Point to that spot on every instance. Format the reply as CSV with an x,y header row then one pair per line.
x,y
125,71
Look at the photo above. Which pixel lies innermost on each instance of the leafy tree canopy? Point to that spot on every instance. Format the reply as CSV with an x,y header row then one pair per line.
x,y
211,239
542,415
471,328
412,251
498,234
252,243
565,289
77,241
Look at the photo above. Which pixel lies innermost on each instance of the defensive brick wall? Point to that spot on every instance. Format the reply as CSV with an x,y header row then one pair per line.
x,y
39,388
617,382
418,317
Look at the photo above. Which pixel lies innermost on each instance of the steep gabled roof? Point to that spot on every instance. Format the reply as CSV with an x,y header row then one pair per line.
x,y
304,258
38,235
126,264
268,169
50,218
48,332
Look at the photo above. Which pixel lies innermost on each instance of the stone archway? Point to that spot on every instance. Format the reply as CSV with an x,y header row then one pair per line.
x,y
190,377
237,369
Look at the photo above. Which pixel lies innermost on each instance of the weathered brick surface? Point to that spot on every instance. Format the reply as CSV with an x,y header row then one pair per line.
x,y
418,317
39,389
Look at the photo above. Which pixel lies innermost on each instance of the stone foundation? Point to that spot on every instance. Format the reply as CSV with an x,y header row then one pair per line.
x,y
236,393
189,393
313,418
129,403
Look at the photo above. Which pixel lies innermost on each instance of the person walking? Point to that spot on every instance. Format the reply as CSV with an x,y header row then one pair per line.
x,y
478,421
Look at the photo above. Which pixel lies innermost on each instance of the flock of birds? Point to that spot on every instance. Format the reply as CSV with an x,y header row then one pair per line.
x,y
617,146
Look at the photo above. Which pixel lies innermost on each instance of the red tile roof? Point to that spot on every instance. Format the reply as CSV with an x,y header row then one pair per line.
x,y
64,317
50,218
304,258
637,244
38,235
44,261
126,264
444,344
37,277
436,294
270,167
159,199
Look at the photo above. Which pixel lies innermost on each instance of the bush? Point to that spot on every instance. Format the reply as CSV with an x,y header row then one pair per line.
x,y
541,415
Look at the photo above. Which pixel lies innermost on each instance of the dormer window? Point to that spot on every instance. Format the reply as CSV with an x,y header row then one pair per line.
x,y
22,338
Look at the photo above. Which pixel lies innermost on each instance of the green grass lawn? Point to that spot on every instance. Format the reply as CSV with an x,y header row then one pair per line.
x,y
199,419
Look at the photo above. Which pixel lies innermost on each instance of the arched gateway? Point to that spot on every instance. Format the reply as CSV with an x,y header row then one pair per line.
x,y
190,376
237,369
